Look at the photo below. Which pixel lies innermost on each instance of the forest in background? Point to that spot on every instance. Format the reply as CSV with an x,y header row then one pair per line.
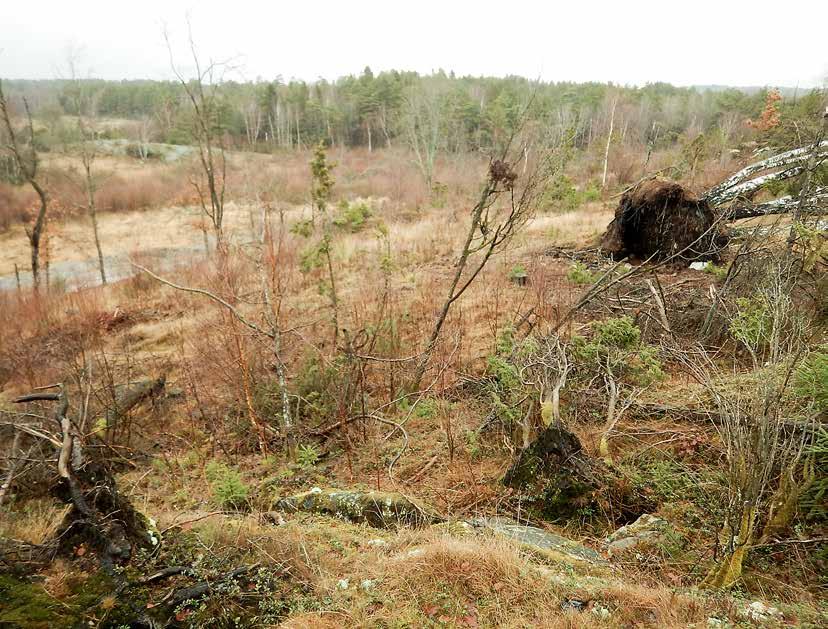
x,y
470,114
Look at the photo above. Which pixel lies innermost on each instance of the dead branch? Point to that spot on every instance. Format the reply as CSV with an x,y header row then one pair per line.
x,y
194,592
133,394
99,515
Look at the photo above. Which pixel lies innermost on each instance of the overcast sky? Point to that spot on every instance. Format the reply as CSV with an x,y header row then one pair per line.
x,y
629,42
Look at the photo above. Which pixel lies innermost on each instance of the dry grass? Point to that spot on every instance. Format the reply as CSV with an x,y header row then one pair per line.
x,y
14,204
572,228
488,574
40,336
35,523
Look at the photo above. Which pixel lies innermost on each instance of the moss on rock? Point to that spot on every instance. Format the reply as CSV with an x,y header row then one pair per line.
x,y
379,509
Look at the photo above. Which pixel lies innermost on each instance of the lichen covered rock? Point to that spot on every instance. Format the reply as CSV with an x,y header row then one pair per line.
x,y
648,530
554,547
379,509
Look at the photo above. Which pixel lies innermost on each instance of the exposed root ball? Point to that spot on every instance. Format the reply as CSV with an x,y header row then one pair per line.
x,y
659,218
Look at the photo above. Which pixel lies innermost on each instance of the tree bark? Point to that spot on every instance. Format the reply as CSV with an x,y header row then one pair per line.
x,y
739,184
817,201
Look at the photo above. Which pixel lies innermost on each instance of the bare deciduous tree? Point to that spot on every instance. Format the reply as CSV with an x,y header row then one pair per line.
x,y
546,369
609,141
85,109
504,207
761,451
202,93
27,165
269,331
422,124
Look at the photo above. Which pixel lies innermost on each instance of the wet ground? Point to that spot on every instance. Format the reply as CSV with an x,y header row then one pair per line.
x,y
74,275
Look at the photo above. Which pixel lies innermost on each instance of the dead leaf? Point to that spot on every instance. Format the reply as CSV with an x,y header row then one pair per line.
x,y
182,615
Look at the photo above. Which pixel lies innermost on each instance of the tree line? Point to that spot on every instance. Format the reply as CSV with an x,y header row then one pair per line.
x,y
381,110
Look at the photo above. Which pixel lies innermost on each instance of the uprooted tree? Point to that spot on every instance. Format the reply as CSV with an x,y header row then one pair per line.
x,y
659,219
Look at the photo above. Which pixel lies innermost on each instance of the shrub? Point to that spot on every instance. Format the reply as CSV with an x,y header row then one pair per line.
x,y
314,257
142,151
439,195
752,321
579,274
815,497
226,485
353,215
517,272
505,388
811,380
719,272
303,228
621,333
316,385
426,408
563,196
616,344
307,456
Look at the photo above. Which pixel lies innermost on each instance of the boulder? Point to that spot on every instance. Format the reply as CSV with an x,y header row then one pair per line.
x,y
555,547
647,530
379,509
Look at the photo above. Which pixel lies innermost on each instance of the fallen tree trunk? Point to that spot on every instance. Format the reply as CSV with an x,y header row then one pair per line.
x,y
817,203
792,161
195,592
706,416
748,189
132,394
25,558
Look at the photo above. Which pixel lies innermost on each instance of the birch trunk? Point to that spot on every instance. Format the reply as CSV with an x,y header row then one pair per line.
x,y
609,141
